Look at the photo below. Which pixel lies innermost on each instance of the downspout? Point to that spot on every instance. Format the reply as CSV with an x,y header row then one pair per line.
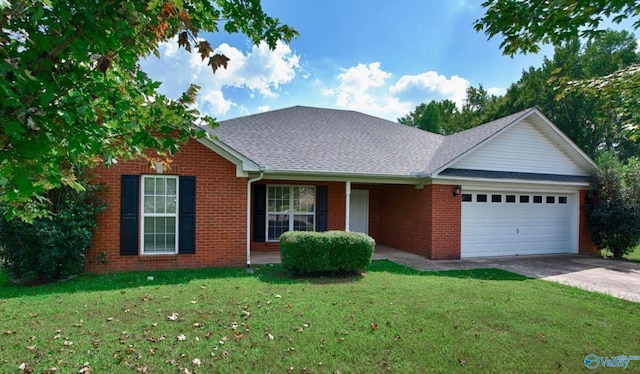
x,y
249,183
347,208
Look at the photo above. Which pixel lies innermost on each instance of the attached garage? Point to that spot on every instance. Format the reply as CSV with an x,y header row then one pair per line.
x,y
503,223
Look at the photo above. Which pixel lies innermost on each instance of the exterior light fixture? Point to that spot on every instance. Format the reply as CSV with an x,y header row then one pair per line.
x,y
456,190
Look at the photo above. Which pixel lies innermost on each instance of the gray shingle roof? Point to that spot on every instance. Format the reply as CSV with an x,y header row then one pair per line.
x,y
307,139
327,140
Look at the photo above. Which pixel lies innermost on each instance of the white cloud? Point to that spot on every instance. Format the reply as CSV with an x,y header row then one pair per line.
x,y
368,88
362,88
497,91
263,108
431,85
261,71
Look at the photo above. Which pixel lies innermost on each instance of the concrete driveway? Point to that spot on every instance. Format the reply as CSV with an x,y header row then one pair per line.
x,y
613,277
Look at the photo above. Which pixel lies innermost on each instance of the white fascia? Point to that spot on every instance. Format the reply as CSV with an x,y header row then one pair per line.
x,y
244,165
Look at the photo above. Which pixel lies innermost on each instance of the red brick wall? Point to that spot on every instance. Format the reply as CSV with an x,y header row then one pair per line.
x,y
405,218
586,246
422,221
220,215
336,200
446,221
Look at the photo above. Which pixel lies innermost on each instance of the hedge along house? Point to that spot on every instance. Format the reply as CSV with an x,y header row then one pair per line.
x,y
512,186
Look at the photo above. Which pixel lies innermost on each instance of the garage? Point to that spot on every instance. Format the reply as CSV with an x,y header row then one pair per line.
x,y
518,223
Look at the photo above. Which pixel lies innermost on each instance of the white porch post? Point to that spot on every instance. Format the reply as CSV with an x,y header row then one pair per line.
x,y
348,205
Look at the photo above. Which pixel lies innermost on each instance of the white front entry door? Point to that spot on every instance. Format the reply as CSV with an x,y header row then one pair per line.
x,y
359,211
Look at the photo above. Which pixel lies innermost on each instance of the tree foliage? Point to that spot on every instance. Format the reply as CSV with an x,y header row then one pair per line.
x,y
525,24
73,94
614,216
54,247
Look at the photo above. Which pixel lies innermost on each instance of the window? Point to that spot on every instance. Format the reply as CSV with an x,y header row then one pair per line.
x,y
551,199
511,198
496,198
290,208
524,199
466,197
481,198
537,199
562,200
159,214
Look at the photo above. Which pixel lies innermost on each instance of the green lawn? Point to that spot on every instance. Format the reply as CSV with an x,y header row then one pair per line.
x,y
389,319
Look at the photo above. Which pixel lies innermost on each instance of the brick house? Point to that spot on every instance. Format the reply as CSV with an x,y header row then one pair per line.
x,y
513,186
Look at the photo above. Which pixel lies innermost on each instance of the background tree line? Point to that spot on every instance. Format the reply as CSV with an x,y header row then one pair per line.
x,y
592,121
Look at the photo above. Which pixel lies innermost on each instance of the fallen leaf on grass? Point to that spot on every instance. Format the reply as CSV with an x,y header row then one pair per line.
x,y
173,317
181,337
85,369
198,325
68,343
196,361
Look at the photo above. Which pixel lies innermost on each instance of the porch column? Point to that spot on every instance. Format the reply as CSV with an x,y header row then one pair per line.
x,y
348,204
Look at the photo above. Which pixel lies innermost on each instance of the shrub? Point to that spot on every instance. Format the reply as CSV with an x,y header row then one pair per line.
x,y
614,216
304,252
53,247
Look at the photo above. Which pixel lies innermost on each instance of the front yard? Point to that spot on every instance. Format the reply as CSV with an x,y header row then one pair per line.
x,y
390,319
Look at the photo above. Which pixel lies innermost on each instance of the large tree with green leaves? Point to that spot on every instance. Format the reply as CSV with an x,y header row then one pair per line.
x,y
73,93
524,25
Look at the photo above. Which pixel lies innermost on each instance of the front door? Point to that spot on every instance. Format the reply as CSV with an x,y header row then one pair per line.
x,y
359,211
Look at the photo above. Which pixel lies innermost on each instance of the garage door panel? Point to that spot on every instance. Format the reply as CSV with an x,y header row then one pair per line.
x,y
516,223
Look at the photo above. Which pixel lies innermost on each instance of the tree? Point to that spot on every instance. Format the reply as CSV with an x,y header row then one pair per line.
x,y
74,95
525,24
614,218
433,117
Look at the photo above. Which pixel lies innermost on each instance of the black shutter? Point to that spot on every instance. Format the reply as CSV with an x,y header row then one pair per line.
x,y
129,214
322,200
259,212
187,215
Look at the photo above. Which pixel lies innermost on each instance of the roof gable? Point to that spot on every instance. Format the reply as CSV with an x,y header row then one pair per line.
x,y
526,142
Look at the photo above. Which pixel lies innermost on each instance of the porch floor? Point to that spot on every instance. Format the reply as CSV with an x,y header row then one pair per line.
x,y
382,252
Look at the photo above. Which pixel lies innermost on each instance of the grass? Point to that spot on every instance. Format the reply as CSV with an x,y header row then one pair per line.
x,y
390,318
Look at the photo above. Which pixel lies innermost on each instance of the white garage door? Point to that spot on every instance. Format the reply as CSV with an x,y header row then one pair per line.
x,y
504,223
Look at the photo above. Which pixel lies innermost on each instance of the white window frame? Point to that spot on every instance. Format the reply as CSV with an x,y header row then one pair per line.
x,y
290,212
144,215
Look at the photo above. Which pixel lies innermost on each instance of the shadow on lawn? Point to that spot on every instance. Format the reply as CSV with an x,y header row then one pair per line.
x,y
274,274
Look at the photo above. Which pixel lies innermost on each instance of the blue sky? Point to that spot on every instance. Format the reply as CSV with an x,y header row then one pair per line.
x,y
379,57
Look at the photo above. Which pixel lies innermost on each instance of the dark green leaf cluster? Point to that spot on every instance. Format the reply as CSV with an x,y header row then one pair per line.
x,y
73,94
52,248
525,24
305,252
614,206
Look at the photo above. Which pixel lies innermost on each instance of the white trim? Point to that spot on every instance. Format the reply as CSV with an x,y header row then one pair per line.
x,y
144,215
291,213
323,176
347,209
243,164
248,227
510,182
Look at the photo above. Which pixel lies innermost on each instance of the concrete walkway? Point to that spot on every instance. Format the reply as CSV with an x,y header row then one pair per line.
x,y
613,277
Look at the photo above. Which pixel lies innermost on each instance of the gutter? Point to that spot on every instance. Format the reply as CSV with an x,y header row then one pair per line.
x,y
249,183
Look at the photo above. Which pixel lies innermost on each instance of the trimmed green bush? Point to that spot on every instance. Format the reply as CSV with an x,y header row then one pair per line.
x,y
304,252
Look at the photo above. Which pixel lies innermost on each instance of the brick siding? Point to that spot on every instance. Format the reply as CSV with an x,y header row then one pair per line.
x,y
220,214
